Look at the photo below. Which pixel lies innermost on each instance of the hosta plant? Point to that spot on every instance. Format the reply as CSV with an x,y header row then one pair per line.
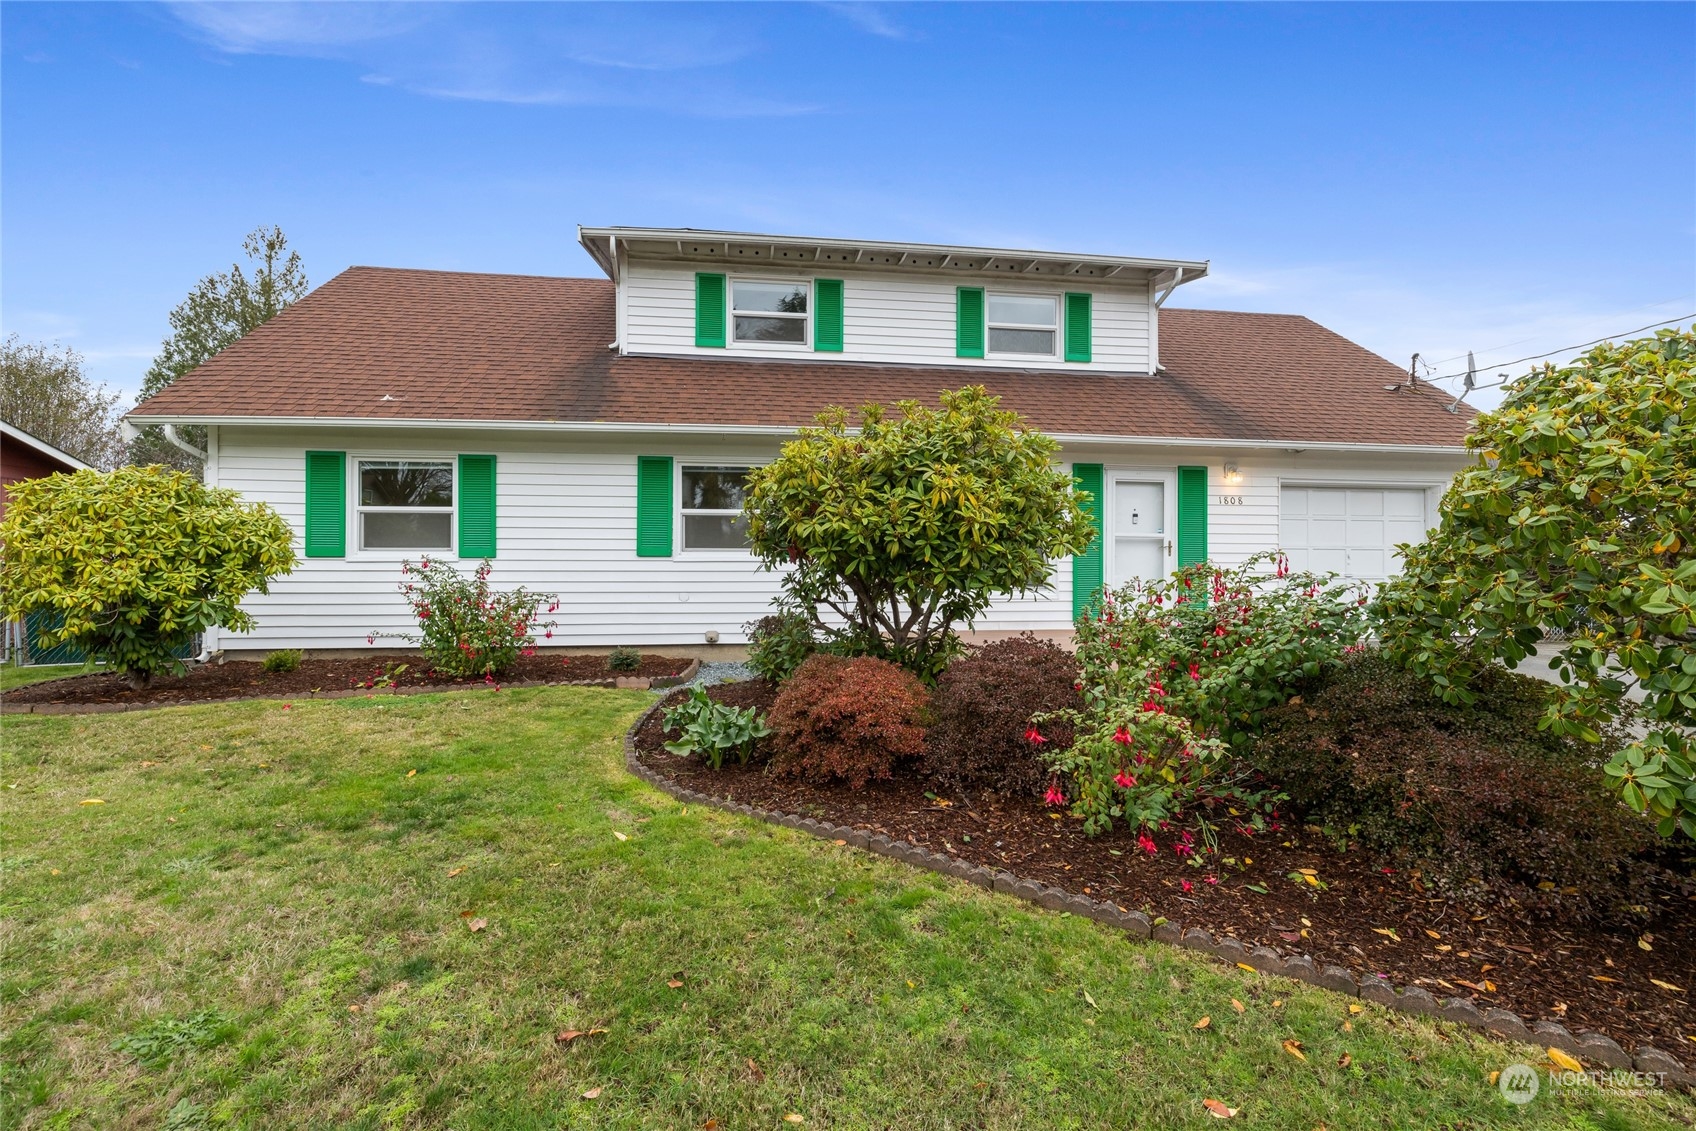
x,y
713,729
465,626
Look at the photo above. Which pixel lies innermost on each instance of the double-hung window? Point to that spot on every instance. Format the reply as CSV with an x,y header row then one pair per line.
x,y
1022,324
405,504
769,312
712,508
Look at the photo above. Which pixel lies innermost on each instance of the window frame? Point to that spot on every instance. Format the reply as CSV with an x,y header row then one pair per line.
x,y
806,319
680,512
359,509
990,325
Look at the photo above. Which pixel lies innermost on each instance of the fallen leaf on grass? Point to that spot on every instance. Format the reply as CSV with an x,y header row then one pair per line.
x,y
566,1036
1217,1109
452,872
1237,1005
1203,1023
1246,966
620,836
477,925
710,1125
592,1094
412,773
675,984
793,1117
1345,1060
1562,1060
146,764
1090,1000
839,843
1357,1009
1667,986
93,801
754,1071
1293,1047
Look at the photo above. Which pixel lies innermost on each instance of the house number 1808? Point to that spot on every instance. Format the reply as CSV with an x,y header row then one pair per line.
x,y
1230,500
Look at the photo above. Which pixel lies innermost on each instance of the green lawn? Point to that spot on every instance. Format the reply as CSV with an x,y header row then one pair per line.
x,y
15,675
268,923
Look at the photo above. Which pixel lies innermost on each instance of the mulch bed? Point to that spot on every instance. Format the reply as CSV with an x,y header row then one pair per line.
x,y
1368,917
239,678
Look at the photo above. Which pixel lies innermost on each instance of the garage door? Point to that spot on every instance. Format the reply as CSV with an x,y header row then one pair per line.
x,y
1352,531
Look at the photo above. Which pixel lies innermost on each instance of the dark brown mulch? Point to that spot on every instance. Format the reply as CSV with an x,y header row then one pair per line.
x,y
246,678
1368,917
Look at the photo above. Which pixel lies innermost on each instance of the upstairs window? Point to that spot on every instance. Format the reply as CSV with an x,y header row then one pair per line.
x,y
769,312
405,504
712,500
1022,324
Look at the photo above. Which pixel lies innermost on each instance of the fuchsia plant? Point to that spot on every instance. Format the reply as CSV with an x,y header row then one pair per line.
x,y
1174,673
465,627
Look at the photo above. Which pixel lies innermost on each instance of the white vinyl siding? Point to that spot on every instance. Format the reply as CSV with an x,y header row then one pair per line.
x,y
888,318
567,505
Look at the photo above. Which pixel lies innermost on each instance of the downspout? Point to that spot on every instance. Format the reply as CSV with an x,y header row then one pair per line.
x,y
170,431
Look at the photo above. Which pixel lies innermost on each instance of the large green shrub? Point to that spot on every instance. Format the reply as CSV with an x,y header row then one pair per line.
x,y
892,533
133,564
1476,797
1577,516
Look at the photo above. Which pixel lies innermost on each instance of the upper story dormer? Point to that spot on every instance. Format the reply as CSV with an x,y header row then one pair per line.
x,y
727,294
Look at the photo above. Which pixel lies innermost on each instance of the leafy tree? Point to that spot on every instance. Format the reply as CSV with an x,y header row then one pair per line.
x,y
899,530
46,393
1576,516
221,310
131,565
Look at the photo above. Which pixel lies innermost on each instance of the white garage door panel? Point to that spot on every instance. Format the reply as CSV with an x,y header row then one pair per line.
x,y
1352,531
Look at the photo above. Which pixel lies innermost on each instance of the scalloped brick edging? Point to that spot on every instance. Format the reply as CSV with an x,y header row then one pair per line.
x,y
637,683
1593,1047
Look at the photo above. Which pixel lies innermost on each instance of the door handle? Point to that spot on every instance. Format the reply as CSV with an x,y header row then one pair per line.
x,y
1168,547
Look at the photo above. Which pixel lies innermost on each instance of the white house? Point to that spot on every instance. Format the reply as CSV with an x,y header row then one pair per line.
x,y
590,435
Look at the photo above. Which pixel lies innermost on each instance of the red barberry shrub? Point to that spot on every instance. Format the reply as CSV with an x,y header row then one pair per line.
x,y
983,706
847,719
1481,801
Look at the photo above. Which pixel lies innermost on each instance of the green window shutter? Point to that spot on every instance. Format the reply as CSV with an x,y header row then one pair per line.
x,y
709,310
1086,567
476,506
827,315
1192,515
968,313
326,504
653,507
1078,327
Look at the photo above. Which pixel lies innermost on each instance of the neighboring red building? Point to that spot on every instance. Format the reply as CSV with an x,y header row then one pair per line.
x,y
22,456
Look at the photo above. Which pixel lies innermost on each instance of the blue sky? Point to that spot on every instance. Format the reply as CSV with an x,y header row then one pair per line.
x,y
1506,178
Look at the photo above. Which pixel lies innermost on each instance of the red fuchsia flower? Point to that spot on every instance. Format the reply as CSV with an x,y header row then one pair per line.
x,y
1183,849
1034,736
1054,796
1156,688
1187,885
1211,879
1146,843
1122,736
489,679
1195,670
550,634
1141,759
370,640
1152,707
1218,630
1388,871
1124,780
1283,566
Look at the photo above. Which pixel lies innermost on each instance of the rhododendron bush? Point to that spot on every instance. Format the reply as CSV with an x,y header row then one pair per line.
x,y
465,628
1177,672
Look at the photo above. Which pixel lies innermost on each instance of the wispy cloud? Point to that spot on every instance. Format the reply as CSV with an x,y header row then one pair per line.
x,y
655,56
870,18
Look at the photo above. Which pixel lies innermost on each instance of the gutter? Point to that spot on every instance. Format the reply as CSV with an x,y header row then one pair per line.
x,y
781,431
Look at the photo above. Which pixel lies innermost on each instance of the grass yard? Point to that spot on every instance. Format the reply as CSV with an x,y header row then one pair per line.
x,y
17,675
268,922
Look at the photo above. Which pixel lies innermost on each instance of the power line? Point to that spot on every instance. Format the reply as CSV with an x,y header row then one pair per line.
x,y
1522,341
1563,349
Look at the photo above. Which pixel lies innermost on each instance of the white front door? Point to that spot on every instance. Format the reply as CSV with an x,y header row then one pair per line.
x,y
1351,531
1140,544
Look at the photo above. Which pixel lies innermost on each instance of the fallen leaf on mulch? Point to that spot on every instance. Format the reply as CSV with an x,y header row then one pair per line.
x,y
1562,1060
1667,986
1217,1109
592,1094
1203,1023
1293,1047
566,1036
477,925
1387,933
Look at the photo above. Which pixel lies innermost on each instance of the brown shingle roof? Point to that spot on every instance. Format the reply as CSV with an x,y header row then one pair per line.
x,y
453,346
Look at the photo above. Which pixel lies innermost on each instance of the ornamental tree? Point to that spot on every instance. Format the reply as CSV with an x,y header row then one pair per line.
x,y
897,530
1576,517
131,565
